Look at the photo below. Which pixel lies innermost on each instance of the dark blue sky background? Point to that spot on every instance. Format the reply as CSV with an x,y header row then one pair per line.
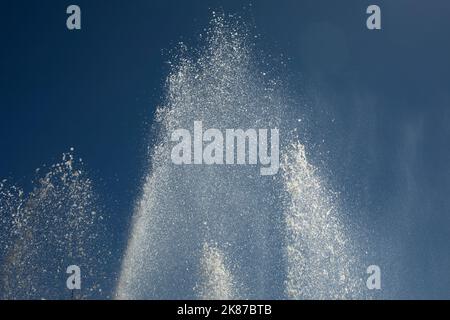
x,y
380,105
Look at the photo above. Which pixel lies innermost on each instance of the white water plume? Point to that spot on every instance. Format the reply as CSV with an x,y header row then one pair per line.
x,y
254,219
181,206
44,231
321,260
217,282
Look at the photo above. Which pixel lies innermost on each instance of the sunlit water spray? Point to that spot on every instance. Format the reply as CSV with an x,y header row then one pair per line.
x,y
276,236
322,262
44,231
217,282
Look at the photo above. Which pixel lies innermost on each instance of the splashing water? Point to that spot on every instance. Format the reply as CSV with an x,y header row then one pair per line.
x,y
321,262
44,231
217,280
182,206
281,235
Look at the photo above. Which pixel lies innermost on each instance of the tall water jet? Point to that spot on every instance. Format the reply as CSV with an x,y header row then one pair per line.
x,y
182,206
217,281
251,219
322,262
44,231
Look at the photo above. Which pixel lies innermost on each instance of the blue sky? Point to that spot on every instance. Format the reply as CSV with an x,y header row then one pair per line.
x,y
380,105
